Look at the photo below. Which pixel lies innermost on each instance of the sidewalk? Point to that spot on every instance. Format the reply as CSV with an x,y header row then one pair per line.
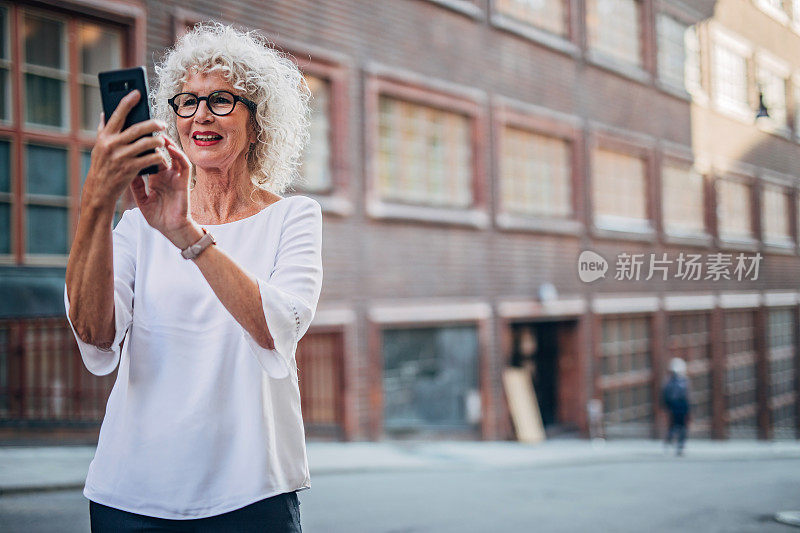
x,y
24,469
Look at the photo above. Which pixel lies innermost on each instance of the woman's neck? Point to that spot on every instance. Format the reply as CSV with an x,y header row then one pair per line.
x,y
221,196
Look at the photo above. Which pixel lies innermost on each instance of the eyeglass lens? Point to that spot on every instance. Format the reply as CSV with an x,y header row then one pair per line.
x,y
219,103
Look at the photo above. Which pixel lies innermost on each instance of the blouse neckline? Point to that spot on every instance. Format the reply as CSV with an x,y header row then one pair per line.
x,y
242,219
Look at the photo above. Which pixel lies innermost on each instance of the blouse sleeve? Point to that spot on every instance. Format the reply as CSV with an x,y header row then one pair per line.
x,y
101,361
289,297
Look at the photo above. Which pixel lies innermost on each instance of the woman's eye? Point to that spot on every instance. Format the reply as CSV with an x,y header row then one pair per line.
x,y
222,100
188,102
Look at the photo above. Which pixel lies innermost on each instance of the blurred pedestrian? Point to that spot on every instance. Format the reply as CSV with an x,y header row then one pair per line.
x,y
675,397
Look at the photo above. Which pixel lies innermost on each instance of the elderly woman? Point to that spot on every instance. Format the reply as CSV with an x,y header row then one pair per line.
x,y
208,285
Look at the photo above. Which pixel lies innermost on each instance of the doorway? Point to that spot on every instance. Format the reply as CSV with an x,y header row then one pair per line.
x,y
546,348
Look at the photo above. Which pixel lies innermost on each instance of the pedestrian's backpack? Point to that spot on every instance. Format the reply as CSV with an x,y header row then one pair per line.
x,y
676,395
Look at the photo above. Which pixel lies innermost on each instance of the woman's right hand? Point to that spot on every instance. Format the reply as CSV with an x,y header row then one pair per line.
x,y
115,156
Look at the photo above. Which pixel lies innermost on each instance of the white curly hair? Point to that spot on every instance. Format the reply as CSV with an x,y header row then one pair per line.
x,y
268,77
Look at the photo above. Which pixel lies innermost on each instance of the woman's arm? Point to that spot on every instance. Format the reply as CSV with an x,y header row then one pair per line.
x,y
90,276
90,270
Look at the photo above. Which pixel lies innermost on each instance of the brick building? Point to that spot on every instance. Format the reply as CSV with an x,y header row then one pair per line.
x,y
465,153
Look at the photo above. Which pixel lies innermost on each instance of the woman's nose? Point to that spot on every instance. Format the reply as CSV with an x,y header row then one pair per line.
x,y
203,113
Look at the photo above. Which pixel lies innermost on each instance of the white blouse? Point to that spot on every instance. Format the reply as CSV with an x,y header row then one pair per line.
x,y
201,419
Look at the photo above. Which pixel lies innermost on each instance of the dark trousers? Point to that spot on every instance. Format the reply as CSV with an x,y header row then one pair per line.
x,y
677,428
279,514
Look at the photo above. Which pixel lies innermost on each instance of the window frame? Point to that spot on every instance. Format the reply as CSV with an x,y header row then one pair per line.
x,y
130,20
683,157
643,71
787,244
727,241
567,43
765,61
533,119
442,95
633,145
741,111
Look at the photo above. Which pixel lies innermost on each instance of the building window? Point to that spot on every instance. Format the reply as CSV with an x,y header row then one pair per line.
x,y
730,78
690,339
430,378
619,190
424,155
692,74
536,174
45,71
5,197
683,199
773,89
740,372
100,49
316,169
796,100
734,212
626,372
548,15
5,66
614,29
672,50
775,214
41,139
782,372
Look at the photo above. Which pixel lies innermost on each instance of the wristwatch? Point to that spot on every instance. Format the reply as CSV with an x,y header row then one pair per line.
x,y
197,248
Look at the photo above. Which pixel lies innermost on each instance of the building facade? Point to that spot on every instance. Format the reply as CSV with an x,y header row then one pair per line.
x,y
465,154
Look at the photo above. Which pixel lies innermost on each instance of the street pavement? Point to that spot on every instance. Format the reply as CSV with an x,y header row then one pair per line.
x,y
26,468
406,486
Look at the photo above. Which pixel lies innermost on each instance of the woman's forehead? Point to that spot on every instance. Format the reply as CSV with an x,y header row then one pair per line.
x,y
206,81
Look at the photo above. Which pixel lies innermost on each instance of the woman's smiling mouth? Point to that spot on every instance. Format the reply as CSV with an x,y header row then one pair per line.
x,y
206,138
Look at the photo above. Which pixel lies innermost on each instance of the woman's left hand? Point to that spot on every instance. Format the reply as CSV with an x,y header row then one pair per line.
x,y
166,207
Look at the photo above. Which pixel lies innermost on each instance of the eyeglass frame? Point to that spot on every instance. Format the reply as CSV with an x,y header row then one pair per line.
x,y
236,98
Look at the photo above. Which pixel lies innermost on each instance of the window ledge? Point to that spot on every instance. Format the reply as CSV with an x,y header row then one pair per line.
x,y
628,233
472,217
741,112
782,247
769,127
633,72
562,226
700,239
747,244
674,90
777,14
333,203
464,7
46,260
537,35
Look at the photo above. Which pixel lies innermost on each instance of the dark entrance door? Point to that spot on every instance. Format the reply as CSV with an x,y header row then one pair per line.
x,y
536,347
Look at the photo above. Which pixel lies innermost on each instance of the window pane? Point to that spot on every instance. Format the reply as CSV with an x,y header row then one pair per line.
x,y
545,14
3,32
683,199
671,49
733,209
92,106
316,158
773,88
613,28
424,155
774,213
47,229
429,376
619,188
100,49
5,166
44,100
44,41
47,170
5,228
730,76
4,79
86,161
535,174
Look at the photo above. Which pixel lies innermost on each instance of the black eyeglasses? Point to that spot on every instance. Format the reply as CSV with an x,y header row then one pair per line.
x,y
220,103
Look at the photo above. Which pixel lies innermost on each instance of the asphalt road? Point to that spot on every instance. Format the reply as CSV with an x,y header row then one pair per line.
x,y
659,495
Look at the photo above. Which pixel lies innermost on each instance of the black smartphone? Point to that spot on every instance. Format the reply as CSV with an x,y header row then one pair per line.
x,y
114,85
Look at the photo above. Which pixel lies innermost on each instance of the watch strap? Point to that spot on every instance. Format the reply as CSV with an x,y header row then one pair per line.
x,y
197,248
